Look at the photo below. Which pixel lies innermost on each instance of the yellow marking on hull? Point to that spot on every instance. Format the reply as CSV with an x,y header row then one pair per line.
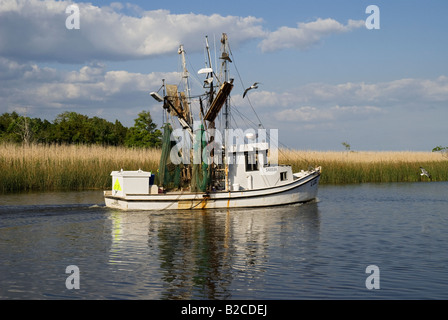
x,y
192,204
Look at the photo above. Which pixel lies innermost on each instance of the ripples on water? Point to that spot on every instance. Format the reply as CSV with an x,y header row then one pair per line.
x,y
317,250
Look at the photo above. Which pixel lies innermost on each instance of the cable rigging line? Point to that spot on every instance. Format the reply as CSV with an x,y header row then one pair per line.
x,y
241,81
258,118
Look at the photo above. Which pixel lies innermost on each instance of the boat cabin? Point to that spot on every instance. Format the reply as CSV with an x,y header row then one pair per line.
x,y
249,168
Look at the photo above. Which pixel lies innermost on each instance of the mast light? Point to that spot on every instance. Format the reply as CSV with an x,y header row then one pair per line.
x,y
156,96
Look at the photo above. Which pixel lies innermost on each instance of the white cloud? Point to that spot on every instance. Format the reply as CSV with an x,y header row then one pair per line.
x,y
263,98
28,85
356,93
35,31
303,114
47,91
322,102
306,34
401,92
318,115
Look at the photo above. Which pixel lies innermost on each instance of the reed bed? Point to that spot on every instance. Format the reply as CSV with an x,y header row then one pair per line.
x,y
68,167
82,167
369,166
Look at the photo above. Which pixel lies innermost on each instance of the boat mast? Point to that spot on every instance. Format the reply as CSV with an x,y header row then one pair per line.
x,y
210,75
181,51
226,59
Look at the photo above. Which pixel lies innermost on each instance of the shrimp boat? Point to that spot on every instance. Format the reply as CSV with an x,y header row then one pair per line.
x,y
202,167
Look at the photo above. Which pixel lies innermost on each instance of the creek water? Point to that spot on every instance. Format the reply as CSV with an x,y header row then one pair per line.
x,y
317,250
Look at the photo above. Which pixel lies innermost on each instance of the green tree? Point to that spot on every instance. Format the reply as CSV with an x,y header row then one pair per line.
x,y
7,126
42,130
70,127
105,132
15,128
120,133
144,133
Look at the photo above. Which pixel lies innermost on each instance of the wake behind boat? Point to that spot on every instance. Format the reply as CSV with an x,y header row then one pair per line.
x,y
202,167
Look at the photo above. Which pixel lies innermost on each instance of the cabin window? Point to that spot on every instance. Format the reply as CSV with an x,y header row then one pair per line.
x,y
251,159
233,158
265,158
283,176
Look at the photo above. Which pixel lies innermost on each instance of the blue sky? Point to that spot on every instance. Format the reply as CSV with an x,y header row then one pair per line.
x,y
325,78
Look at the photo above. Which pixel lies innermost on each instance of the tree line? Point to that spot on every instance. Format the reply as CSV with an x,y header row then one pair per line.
x,y
74,128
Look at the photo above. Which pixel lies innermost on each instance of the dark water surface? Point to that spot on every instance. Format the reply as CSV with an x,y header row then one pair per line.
x,y
317,250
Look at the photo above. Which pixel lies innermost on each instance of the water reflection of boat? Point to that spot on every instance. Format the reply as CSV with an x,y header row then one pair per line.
x,y
206,254
203,168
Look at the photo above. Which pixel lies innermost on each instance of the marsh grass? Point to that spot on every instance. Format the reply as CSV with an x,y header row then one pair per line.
x,y
82,167
68,167
369,166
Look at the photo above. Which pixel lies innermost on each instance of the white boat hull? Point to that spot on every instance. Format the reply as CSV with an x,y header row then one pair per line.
x,y
302,189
